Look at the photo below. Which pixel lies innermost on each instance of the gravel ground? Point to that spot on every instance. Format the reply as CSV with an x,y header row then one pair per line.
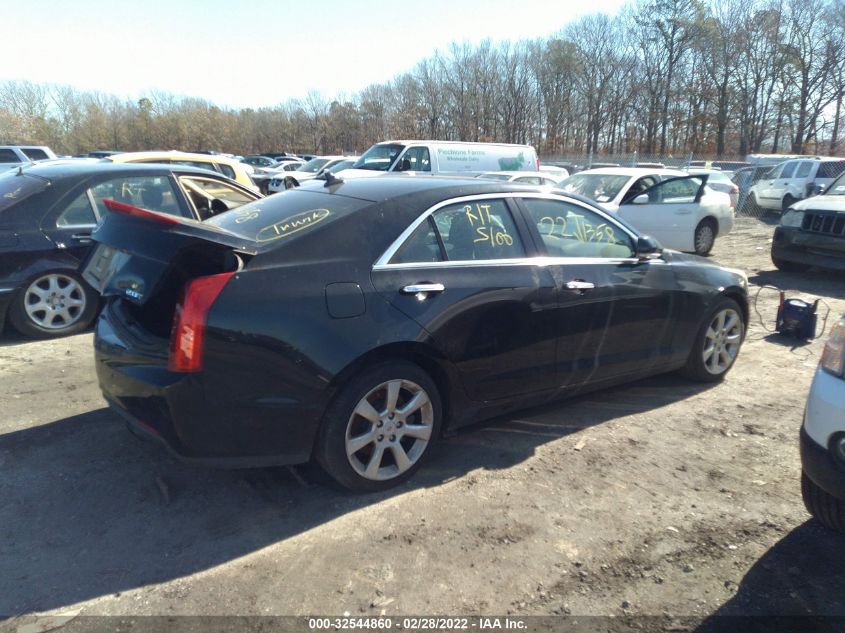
x,y
664,498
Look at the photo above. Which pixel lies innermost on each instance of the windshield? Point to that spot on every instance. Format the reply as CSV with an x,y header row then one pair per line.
x,y
313,165
599,187
379,157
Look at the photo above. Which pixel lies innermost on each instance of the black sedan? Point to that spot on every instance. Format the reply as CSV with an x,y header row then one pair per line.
x,y
351,322
47,213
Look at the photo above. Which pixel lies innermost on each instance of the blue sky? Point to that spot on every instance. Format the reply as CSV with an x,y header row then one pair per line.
x,y
252,54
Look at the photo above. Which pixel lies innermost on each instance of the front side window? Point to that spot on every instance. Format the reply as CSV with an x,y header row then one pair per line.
x,y
415,159
675,191
570,230
788,170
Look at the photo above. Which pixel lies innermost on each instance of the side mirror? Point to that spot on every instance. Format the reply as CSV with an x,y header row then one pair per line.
x,y
648,247
641,199
817,189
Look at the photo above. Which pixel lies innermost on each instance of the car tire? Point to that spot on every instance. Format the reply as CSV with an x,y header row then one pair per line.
x,y
825,508
788,201
367,443
55,303
717,343
704,236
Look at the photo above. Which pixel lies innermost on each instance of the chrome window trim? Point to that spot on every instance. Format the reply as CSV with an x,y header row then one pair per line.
x,y
540,261
382,262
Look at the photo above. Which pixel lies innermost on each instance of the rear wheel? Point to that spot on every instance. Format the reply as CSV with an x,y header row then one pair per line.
x,y
54,304
717,343
380,427
826,509
704,237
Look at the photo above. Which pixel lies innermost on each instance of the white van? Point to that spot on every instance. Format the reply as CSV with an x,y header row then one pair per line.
x,y
443,158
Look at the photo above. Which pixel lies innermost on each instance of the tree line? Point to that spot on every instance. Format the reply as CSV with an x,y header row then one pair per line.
x,y
660,78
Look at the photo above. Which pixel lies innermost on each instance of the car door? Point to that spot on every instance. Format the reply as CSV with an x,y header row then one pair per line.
x,y
465,273
671,212
614,310
778,187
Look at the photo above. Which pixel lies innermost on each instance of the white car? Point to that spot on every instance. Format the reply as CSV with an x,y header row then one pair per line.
x,y
823,436
310,170
677,209
794,180
553,171
521,177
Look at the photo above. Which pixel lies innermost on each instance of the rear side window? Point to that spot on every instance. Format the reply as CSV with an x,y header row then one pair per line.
x,y
226,170
148,192
421,247
830,169
78,213
8,156
478,230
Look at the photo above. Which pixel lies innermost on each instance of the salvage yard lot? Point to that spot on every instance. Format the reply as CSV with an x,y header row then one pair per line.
x,y
664,497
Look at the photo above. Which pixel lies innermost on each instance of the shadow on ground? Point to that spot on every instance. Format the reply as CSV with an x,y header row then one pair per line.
x,y
89,510
798,585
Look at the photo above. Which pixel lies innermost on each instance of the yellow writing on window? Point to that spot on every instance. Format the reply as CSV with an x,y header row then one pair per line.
x,y
488,228
576,227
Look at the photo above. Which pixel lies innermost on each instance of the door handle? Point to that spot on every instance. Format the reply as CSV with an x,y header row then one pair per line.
x,y
82,237
415,289
580,284
683,212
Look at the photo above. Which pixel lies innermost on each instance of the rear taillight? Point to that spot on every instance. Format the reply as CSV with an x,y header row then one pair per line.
x,y
188,337
734,192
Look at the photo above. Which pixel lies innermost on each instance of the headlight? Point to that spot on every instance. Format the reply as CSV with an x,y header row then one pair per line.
x,y
792,218
833,356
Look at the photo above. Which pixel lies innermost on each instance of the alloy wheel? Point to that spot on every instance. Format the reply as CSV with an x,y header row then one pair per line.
x,y
722,340
389,430
54,301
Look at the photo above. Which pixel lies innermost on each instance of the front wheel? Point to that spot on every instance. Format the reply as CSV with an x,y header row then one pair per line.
x,y
826,509
54,304
380,427
717,343
704,237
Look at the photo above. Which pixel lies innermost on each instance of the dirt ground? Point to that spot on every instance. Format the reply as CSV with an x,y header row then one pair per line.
x,y
664,498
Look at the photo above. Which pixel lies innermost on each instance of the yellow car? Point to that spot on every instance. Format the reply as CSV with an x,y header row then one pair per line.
x,y
229,167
